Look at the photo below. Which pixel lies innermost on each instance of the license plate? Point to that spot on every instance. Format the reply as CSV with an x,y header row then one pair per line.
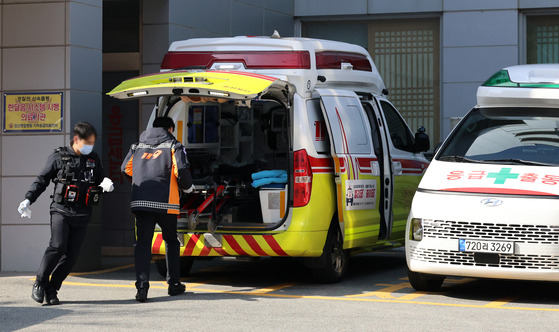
x,y
495,247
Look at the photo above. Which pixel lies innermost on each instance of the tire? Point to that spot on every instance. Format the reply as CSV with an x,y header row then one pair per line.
x,y
425,282
185,266
334,258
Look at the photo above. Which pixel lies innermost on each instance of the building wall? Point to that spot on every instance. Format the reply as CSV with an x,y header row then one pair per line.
x,y
55,45
478,37
45,46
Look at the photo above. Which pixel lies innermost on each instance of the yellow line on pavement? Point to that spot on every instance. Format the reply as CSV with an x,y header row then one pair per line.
x,y
271,288
344,298
333,298
112,269
500,302
384,293
414,295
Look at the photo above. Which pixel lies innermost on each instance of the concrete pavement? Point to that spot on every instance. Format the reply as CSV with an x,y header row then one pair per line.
x,y
278,295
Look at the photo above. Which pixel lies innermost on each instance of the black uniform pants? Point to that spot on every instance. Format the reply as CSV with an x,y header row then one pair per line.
x,y
66,238
145,225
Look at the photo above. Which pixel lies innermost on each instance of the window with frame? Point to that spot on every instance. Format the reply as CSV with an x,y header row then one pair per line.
x,y
406,53
400,134
542,39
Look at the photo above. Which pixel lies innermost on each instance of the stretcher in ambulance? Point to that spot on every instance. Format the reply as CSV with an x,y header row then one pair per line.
x,y
488,205
280,132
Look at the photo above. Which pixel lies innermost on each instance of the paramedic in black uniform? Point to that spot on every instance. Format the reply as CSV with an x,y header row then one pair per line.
x,y
79,180
158,168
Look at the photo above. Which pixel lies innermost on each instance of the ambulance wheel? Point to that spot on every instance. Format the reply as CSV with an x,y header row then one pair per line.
x,y
335,258
185,266
425,282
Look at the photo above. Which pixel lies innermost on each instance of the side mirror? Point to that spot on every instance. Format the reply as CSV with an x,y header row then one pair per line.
x,y
422,142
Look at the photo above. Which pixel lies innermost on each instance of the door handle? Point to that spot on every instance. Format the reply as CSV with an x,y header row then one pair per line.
x,y
397,167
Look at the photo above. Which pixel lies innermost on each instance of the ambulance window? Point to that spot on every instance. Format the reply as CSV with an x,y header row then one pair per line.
x,y
375,134
399,132
317,126
354,129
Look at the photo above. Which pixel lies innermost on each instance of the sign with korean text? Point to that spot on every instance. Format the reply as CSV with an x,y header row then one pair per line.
x,y
38,112
360,194
492,178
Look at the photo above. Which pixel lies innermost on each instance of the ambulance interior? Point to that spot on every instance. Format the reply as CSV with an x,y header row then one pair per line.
x,y
239,157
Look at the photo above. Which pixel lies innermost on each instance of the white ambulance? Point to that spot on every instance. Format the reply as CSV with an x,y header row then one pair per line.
x,y
488,206
294,149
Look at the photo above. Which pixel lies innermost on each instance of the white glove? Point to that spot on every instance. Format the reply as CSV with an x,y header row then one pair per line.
x,y
189,190
107,185
24,210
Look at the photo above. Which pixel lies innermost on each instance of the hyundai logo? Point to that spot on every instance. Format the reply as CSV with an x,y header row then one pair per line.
x,y
491,202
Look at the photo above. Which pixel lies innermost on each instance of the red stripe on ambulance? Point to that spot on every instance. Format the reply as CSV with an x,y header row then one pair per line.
x,y
235,245
254,245
191,244
274,245
157,243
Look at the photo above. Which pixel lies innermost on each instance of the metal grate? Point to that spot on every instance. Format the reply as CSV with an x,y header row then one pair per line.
x,y
543,39
532,262
406,53
445,229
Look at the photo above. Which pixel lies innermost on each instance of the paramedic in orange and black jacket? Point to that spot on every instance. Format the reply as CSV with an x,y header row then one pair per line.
x,y
158,167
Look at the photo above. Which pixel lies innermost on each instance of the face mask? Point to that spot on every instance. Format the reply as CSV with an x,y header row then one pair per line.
x,y
86,149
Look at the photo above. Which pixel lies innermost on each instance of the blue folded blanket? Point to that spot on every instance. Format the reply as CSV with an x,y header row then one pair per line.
x,y
266,177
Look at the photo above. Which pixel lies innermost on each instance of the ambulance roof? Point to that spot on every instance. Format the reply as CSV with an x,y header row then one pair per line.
x,y
261,43
535,85
299,60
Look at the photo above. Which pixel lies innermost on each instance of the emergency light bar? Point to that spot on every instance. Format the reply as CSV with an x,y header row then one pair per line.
x,y
521,86
502,79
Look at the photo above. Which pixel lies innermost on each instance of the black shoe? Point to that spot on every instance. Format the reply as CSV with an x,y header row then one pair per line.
x,y
176,289
38,293
142,295
51,297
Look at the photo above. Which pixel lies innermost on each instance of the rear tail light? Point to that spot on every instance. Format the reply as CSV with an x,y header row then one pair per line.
x,y
250,59
302,178
342,60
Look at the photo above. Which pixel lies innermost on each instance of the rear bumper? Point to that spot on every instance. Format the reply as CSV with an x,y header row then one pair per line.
x,y
292,244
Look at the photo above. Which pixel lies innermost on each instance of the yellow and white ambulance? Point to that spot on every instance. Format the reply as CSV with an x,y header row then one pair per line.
x,y
280,132
488,206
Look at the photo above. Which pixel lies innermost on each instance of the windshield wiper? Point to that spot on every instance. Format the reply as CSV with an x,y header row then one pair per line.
x,y
518,161
458,159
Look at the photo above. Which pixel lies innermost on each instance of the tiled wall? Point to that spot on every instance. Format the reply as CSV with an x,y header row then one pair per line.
x,y
477,40
44,46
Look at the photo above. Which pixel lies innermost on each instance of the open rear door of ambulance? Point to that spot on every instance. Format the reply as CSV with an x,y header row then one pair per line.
x,y
216,86
210,84
358,183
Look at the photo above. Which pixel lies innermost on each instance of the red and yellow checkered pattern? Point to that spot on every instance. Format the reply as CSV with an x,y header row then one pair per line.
x,y
232,245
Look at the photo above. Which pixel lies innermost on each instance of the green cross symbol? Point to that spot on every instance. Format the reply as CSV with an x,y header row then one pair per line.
x,y
503,175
